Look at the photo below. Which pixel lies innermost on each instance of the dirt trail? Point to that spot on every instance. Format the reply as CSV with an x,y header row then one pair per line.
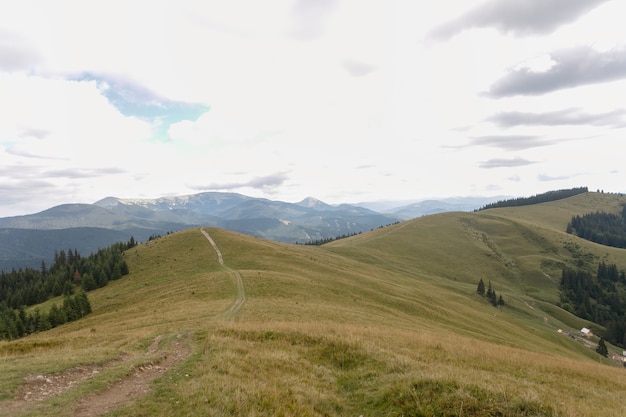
x,y
136,384
240,299
40,387
133,386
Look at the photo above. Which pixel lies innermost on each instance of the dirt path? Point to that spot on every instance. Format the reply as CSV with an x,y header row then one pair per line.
x,y
133,386
40,387
240,299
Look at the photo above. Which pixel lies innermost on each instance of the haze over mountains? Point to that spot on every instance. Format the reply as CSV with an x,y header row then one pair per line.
x,y
29,239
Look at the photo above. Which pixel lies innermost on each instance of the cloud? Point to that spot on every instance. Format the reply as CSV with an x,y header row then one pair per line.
x,y
505,163
66,124
310,18
30,152
546,177
569,116
133,99
34,132
519,17
75,173
16,190
265,183
573,67
21,196
510,142
18,171
16,53
357,69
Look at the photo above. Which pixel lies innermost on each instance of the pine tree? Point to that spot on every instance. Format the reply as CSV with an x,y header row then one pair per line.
x,y
491,295
481,287
602,349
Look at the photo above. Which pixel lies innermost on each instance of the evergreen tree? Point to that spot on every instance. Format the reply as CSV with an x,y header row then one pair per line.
x,y
491,295
42,321
83,303
89,283
481,287
602,349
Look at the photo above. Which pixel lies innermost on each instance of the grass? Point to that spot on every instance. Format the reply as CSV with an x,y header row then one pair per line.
x,y
383,323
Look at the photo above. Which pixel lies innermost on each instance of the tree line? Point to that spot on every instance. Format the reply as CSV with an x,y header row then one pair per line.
x,y
536,199
324,240
604,228
600,298
70,275
18,323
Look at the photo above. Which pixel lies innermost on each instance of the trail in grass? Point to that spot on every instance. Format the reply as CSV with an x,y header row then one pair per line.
x,y
134,385
38,388
240,299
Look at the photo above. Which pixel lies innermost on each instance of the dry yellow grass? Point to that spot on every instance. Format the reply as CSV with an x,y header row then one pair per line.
x,y
385,323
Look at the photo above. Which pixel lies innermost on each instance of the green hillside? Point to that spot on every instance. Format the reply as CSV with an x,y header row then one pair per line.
x,y
383,323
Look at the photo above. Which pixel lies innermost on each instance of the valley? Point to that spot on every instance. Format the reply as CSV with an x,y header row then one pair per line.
x,y
387,322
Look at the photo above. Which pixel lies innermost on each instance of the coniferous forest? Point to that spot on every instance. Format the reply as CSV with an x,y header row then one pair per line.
x,y
604,228
600,298
536,199
70,276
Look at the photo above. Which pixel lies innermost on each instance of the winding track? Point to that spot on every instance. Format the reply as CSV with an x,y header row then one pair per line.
x,y
229,314
127,389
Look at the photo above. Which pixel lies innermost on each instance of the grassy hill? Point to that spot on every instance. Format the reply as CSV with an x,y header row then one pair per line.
x,y
383,323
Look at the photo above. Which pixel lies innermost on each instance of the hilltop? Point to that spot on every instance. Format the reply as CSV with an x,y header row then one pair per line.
x,y
28,239
387,322
113,219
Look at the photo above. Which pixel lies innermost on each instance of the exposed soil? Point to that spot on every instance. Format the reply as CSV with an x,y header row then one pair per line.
x,y
240,298
133,386
40,387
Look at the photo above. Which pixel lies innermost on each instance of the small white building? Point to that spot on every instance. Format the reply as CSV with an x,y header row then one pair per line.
x,y
586,332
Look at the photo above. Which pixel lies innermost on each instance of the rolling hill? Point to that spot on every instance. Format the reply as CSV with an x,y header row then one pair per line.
x,y
387,322
309,220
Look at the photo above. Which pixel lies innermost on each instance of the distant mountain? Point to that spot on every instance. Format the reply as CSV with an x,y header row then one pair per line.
x,y
413,209
212,203
308,220
314,203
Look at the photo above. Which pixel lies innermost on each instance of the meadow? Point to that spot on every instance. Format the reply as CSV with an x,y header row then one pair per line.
x,y
386,323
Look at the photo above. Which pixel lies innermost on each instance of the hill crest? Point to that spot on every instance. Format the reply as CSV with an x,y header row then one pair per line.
x,y
387,322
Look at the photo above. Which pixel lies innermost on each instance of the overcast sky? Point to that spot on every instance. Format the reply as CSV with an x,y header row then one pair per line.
x,y
346,101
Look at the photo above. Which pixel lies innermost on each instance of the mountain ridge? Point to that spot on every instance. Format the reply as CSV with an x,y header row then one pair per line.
x,y
309,220
387,322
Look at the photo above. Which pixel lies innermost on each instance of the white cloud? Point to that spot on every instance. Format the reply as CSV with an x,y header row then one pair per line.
x,y
520,17
343,100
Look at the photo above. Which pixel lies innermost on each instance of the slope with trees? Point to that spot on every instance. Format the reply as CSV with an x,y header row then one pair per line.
x,y
600,298
536,199
70,276
600,227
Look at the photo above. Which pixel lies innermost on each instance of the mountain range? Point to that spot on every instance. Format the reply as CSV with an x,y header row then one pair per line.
x,y
29,239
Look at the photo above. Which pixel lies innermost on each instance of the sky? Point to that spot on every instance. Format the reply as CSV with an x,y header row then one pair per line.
x,y
343,100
